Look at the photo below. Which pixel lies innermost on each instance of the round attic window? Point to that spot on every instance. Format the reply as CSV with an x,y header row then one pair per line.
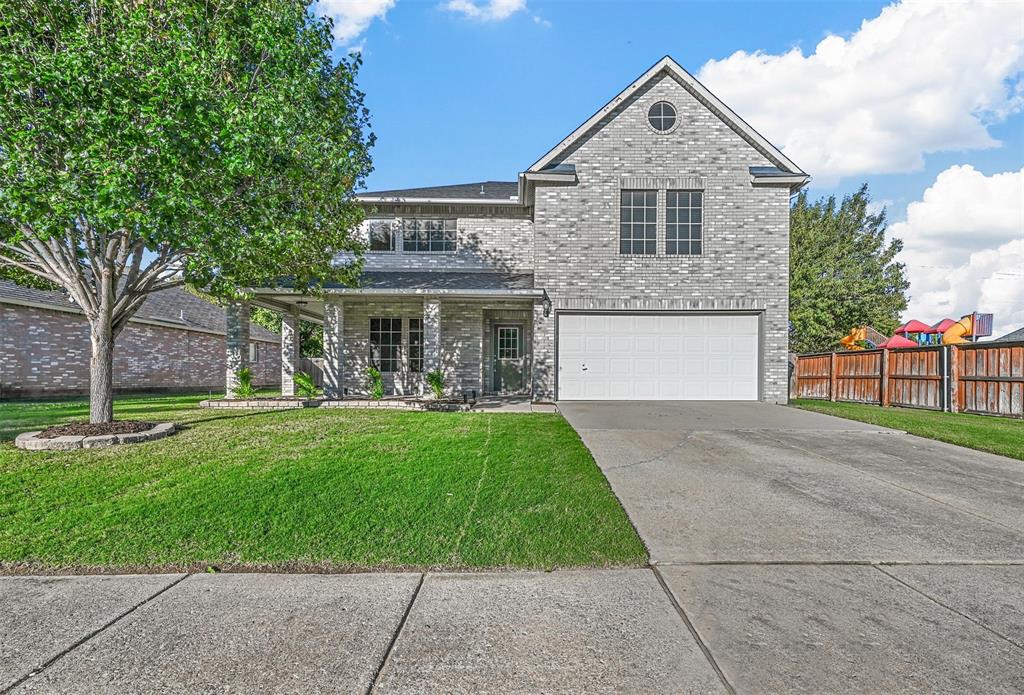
x,y
662,116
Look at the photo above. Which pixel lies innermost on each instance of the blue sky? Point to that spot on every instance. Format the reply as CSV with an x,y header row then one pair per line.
x,y
922,101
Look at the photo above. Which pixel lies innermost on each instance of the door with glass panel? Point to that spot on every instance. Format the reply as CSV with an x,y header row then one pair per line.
x,y
509,361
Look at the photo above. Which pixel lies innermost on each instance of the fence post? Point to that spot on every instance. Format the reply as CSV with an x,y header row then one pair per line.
x,y
954,379
832,383
883,389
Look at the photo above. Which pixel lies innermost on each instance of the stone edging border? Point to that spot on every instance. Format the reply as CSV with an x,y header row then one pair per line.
x,y
282,404
31,442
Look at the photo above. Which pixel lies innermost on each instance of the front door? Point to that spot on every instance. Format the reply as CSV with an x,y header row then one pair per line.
x,y
509,364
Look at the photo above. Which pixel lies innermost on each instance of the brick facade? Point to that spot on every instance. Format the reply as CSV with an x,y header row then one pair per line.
x,y
745,260
45,352
566,233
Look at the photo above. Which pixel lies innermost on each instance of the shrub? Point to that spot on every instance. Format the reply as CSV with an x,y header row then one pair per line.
x,y
435,380
375,383
304,385
244,387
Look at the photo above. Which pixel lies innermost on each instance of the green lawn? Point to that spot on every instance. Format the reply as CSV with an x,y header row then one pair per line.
x,y
997,435
309,489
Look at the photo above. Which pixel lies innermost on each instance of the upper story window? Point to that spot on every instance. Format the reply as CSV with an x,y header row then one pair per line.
x,y
684,222
412,236
382,236
638,217
428,236
662,116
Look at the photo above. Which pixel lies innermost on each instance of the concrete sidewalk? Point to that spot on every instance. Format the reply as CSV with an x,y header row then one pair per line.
x,y
568,631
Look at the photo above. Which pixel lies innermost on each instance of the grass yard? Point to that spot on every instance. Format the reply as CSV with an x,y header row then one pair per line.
x,y
308,489
996,435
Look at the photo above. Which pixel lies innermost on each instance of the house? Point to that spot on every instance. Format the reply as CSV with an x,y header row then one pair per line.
x,y
644,256
174,343
1016,336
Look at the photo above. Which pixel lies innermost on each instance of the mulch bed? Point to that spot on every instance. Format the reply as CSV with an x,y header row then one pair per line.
x,y
87,429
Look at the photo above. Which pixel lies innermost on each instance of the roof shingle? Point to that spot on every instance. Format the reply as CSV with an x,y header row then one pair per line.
x,y
174,306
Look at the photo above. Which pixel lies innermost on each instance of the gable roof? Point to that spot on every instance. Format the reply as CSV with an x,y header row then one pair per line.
x,y
670,67
174,308
1012,337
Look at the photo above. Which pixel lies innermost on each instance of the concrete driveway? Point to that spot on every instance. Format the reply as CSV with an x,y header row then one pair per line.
x,y
819,554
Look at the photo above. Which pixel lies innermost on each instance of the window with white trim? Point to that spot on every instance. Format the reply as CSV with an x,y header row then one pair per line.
x,y
638,222
429,236
386,344
684,223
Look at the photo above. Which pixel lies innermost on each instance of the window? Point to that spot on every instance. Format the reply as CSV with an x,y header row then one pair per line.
x,y
684,223
254,353
638,222
428,236
415,345
508,342
382,236
386,344
662,116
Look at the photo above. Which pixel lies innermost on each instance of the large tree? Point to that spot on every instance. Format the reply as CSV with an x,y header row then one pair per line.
x,y
842,271
149,143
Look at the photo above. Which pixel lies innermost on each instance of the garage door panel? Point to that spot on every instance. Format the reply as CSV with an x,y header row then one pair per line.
x,y
657,356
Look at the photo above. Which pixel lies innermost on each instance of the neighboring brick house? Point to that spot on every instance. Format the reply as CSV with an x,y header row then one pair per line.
x,y
646,256
174,343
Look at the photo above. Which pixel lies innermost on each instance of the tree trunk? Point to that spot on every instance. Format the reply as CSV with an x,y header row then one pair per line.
x,y
101,372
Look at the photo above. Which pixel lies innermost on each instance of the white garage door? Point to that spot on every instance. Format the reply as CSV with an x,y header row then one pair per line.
x,y
621,357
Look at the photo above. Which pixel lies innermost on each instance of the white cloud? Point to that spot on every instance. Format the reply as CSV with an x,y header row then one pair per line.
x,y
352,17
964,247
491,11
921,77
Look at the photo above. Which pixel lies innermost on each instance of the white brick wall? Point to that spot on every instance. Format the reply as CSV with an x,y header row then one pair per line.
x,y
745,264
572,244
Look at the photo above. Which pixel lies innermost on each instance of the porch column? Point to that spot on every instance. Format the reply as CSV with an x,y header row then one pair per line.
x,y
289,350
431,335
236,341
334,347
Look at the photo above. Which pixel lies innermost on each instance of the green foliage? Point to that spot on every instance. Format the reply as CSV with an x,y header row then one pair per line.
x,y
842,271
25,279
435,380
311,335
244,388
304,385
374,383
218,132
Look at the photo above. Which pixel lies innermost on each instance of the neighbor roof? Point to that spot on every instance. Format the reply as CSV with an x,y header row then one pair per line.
x,y
504,191
1012,337
174,307
675,70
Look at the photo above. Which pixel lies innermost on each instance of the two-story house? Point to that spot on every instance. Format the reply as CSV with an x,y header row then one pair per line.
x,y
645,256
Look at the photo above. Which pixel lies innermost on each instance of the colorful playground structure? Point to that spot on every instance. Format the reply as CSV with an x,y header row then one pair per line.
x,y
916,333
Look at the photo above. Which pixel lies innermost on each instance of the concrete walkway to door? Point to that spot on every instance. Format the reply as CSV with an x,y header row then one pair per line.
x,y
820,554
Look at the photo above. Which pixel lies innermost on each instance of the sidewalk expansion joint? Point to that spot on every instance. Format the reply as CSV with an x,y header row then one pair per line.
x,y
394,638
693,631
951,609
36,671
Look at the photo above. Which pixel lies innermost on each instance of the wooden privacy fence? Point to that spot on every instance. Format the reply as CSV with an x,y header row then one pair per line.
x,y
985,378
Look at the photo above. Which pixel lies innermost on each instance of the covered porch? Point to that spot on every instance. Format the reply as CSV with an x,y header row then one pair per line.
x,y
476,328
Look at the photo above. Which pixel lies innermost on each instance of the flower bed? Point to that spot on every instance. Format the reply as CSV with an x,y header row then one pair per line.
x,y
52,439
447,405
